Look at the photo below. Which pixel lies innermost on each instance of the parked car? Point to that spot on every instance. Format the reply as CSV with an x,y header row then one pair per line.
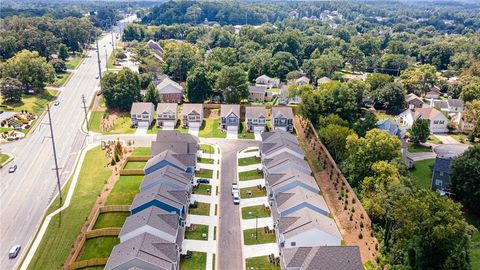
x,y
203,181
234,188
56,103
12,169
236,197
12,254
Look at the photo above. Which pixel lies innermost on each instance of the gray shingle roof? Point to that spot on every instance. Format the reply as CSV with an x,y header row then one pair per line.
x,y
154,217
192,107
146,247
167,107
172,174
442,104
280,143
255,112
323,258
282,111
141,107
442,164
274,135
226,109
169,156
284,159
306,219
288,176
162,193
454,102
299,195
257,89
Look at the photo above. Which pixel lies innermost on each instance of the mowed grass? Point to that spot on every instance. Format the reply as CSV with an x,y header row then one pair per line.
x,y
61,79
141,151
417,148
255,211
260,263
61,234
122,124
198,261
244,134
99,247
125,190
204,173
205,160
36,103
203,189
111,219
421,174
211,129
135,165
72,63
207,149
262,237
248,161
3,158
250,175
475,241
197,234
202,209
254,191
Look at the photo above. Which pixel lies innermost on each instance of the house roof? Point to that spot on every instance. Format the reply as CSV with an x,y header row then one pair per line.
x,y
170,173
306,219
302,79
263,77
155,47
141,107
277,134
426,113
162,193
287,176
280,143
389,125
442,164
323,80
455,102
154,217
174,89
323,258
226,109
255,112
297,196
176,141
167,155
285,158
411,97
282,111
167,107
145,247
257,89
192,108
442,104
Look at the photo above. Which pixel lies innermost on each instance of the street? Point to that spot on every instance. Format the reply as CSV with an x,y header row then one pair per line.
x,y
26,194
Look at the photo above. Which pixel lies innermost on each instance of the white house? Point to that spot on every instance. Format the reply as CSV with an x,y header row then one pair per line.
x,y
142,114
437,120
267,81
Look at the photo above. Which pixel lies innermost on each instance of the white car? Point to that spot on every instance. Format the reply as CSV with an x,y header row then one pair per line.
x,y
234,188
12,254
236,197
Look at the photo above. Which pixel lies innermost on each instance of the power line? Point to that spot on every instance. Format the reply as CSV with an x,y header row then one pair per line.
x,y
55,155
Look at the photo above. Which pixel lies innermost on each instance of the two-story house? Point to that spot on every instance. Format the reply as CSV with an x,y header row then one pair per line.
x,y
281,118
163,197
413,101
170,91
267,81
167,115
257,93
141,114
256,118
437,121
302,81
192,115
230,117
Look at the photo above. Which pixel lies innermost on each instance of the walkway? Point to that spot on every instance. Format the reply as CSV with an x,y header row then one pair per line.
x,y
446,138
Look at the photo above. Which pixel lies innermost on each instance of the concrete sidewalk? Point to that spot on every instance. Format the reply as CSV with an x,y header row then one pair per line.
x,y
254,201
251,183
260,250
262,222
250,167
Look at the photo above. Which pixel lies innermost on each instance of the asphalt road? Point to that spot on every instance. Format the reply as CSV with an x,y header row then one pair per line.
x,y
25,194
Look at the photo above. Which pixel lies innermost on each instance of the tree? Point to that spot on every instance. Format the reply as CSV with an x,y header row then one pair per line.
x,y
259,65
232,82
331,119
194,12
282,64
393,64
419,79
63,52
378,80
362,153
334,137
465,178
121,89
365,123
180,58
420,131
11,90
472,114
152,95
30,69
58,65
356,58
471,91
391,97
323,66
199,85
309,106
120,55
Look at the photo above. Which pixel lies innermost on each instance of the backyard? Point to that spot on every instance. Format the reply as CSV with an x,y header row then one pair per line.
x,y
260,263
257,211
99,247
250,175
421,174
141,151
125,189
197,261
135,165
251,237
110,219
416,148
199,233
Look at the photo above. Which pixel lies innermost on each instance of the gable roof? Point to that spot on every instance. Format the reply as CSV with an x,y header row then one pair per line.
x,y
427,113
155,47
324,80
442,104
162,193
282,111
257,89
192,108
278,144
442,164
141,107
306,219
297,196
176,141
272,136
226,109
263,77
255,112
411,97
302,79
276,180
285,158
163,87
455,102
154,217
323,258
167,107
167,155
170,173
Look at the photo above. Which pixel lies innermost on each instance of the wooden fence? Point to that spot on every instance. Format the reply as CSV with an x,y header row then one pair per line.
x,y
111,231
88,263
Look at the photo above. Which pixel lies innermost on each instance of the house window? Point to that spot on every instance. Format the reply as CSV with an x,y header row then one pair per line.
x,y
441,173
438,182
292,244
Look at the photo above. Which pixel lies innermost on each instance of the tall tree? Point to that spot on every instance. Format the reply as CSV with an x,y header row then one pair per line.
x,y
152,95
420,131
121,89
63,52
465,178
419,79
232,82
391,97
472,114
180,57
282,64
334,137
356,58
199,85
11,90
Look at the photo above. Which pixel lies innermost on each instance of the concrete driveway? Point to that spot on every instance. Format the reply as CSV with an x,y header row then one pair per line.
x,y
141,130
446,138
232,135
193,131
258,136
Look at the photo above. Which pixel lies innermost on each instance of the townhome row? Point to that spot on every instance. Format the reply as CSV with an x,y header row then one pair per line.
x,y
143,114
306,233
151,238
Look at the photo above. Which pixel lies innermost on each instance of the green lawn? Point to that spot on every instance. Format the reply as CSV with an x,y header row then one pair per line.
x,y
255,192
475,243
248,161
382,115
61,234
250,175
205,160
141,151
462,138
414,148
202,189
197,233
252,211
204,173
434,140
203,209
122,124
3,158
110,219
422,173
135,165
125,190
61,79
73,62
207,149
211,129
36,103
198,261
243,133
111,60
262,237
260,263
99,247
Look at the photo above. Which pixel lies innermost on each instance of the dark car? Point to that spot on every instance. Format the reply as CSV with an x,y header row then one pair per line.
x,y
203,181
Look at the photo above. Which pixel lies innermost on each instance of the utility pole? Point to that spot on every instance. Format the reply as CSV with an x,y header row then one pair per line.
x,y
55,155
85,111
99,67
106,58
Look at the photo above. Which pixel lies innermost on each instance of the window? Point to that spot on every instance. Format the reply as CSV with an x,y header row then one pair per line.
x,y
292,244
438,182
441,173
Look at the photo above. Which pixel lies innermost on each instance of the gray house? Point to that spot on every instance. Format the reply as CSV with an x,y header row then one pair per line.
x,y
282,118
441,173
192,115
256,118
230,117
257,93
282,162
286,204
163,197
289,179
144,251
141,114
170,176
328,257
167,115
280,146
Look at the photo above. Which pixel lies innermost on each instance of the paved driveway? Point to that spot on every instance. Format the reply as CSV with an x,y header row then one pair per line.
x,y
194,131
141,130
232,135
446,138
258,136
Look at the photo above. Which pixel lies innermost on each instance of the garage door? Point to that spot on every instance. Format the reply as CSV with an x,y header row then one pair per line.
x,y
143,124
232,128
258,128
194,124
169,124
281,128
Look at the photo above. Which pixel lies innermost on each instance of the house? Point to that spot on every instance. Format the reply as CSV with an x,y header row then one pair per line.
x,y
163,197
321,258
167,115
463,125
192,115
256,118
307,228
455,105
156,49
441,172
267,81
273,136
323,80
166,158
283,162
437,121
145,251
288,179
176,141
286,204
155,221
170,91
257,93
302,81
389,125
142,114
439,104
281,118
170,176
280,146
230,117
433,93
413,101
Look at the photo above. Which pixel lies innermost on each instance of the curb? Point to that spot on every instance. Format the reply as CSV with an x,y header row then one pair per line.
x,y
11,158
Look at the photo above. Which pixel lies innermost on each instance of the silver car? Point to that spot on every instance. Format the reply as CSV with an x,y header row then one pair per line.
x,y
12,254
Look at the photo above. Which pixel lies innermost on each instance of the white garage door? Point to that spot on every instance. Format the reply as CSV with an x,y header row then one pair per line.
x,y
168,125
258,128
143,124
232,128
194,124
281,128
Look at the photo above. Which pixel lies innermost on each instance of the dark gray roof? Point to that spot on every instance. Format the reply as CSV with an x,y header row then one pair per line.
x,y
175,136
146,247
323,258
285,158
162,193
255,112
170,173
290,175
226,109
442,164
442,104
282,111
169,156
306,219
154,217
280,143
454,102
274,135
257,89
297,196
